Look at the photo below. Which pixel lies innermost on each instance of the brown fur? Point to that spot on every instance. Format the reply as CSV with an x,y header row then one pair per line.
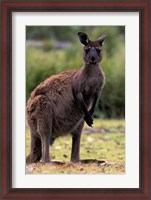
x,y
56,108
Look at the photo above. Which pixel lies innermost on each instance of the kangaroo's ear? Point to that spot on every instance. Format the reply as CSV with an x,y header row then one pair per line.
x,y
101,39
83,38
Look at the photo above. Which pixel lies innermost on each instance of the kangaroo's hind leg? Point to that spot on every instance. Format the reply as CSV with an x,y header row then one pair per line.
x,y
35,148
76,137
44,127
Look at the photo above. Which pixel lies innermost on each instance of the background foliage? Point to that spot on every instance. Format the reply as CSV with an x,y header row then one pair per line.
x,y
50,50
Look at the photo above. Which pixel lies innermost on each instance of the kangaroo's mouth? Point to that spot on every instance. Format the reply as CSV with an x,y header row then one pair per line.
x,y
92,62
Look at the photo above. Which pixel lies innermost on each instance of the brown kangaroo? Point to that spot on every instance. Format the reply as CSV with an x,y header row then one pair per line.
x,y
62,103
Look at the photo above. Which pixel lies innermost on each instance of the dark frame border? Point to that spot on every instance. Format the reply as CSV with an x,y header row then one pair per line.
x,y
9,6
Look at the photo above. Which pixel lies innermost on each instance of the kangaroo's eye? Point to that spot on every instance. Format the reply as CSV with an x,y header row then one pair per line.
x,y
98,51
87,49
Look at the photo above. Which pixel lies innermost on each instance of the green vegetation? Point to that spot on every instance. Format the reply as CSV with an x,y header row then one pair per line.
x,y
61,50
105,142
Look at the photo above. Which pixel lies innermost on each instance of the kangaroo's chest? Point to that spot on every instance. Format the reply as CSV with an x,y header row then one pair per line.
x,y
90,86
89,89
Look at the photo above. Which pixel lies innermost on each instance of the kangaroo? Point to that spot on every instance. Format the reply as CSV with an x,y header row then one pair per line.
x,y
62,103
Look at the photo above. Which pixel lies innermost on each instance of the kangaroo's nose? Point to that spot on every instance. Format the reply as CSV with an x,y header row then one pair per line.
x,y
93,58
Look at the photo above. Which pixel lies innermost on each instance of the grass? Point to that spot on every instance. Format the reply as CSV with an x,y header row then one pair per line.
x,y
105,142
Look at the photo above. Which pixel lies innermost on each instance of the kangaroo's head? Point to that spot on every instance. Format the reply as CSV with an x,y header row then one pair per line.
x,y
92,53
